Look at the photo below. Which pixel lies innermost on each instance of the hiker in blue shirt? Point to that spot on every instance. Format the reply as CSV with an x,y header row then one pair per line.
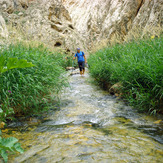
x,y
81,60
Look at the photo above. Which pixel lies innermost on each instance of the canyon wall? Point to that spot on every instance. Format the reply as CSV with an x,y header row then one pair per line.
x,y
79,23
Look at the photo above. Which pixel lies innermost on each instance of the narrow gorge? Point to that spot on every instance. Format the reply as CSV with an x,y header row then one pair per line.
x,y
49,113
84,23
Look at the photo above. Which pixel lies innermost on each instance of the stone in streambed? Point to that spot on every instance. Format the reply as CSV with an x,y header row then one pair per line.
x,y
2,124
34,122
158,122
116,89
70,68
74,73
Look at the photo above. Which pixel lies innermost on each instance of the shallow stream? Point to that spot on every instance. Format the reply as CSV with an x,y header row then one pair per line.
x,y
92,126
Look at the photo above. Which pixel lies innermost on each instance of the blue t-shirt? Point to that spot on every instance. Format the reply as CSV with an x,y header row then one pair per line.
x,y
80,56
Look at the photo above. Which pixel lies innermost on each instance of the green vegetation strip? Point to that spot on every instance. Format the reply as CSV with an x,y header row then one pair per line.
x,y
29,76
28,90
138,66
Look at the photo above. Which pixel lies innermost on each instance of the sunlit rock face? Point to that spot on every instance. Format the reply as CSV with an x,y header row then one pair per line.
x,y
73,23
100,19
3,28
47,21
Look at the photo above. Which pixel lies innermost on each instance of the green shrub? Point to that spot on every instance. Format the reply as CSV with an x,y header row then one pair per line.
x,y
138,66
27,90
9,145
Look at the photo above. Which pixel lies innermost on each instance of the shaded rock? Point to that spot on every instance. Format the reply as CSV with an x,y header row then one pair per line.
x,y
11,5
10,9
24,3
58,11
2,124
74,73
57,27
116,89
58,44
33,121
70,68
7,5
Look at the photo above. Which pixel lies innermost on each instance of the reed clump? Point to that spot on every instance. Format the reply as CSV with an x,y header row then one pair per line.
x,y
28,90
138,66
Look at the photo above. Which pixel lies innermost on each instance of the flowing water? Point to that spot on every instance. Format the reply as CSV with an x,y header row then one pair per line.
x,y
92,126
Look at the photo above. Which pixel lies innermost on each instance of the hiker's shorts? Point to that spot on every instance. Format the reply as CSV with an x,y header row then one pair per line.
x,y
81,65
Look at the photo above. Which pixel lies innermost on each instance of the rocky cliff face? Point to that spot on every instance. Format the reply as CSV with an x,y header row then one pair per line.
x,y
72,23
114,19
47,21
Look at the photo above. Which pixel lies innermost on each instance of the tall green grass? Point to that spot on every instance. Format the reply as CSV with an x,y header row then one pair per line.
x,y
28,90
138,66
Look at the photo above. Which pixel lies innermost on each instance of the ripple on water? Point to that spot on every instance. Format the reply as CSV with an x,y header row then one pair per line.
x,y
92,126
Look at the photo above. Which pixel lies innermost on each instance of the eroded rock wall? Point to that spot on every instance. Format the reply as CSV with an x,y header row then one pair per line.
x,y
72,23
101,19
46,21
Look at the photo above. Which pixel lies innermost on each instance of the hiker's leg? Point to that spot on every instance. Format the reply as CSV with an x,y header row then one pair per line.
x,y
80,67
83,71
83,68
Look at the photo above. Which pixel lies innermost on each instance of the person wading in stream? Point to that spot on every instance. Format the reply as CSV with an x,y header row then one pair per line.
x,y
81,60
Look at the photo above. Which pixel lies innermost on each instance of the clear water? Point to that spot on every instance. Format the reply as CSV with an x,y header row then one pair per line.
x,y
91,127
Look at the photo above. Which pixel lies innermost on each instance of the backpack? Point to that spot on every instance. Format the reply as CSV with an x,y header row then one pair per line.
x,y
82,53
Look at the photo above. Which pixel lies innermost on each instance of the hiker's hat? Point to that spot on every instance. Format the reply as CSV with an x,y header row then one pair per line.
x,y
78,48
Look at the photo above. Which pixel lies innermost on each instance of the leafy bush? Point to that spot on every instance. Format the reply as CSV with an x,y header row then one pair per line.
x,y
138,66
7,64
12,63
9,145
26,90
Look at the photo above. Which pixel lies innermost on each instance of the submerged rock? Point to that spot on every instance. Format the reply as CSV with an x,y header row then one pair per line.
x,y
2,124
116,89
